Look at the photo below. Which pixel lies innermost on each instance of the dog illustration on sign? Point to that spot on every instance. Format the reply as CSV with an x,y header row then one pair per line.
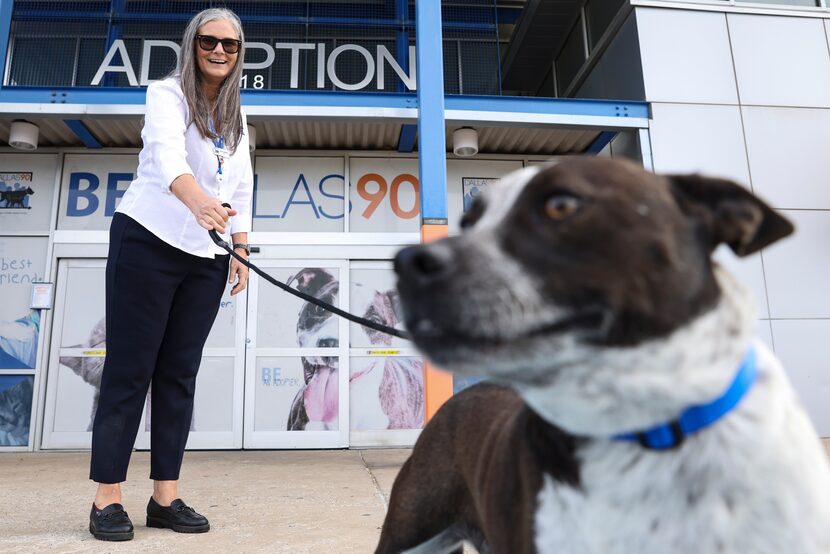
x,y
14,193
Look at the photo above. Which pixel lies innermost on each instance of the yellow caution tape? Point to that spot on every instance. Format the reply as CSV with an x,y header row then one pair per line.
x,y
94,352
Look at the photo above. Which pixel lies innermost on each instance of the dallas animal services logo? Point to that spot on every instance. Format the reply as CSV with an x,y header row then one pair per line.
x,y
473,186
15,189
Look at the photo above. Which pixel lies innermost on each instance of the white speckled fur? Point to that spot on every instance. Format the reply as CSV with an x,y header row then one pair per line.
x,y
755,482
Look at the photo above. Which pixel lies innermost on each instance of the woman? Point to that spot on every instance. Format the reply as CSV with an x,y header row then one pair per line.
x,y
165,277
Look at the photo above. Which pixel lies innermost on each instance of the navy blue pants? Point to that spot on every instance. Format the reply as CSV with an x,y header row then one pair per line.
x,y
160,305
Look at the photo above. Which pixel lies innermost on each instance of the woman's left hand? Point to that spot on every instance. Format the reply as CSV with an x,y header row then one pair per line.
x,y
238,274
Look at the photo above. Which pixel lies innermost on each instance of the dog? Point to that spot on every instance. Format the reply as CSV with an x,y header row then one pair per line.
x,y
90,368
391,393
15,197
586,292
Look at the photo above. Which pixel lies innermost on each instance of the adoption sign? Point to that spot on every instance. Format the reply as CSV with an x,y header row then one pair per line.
x,y
372,63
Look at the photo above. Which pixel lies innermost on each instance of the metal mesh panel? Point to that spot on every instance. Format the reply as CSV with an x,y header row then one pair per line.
x,y
472,27
65,43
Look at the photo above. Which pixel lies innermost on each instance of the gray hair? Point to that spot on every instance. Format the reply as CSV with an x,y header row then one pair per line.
x,y
228,103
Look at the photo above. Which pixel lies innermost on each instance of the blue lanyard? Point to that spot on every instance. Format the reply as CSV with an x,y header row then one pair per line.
x,y
218,142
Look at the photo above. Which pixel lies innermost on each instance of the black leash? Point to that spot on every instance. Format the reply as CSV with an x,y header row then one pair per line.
x,y
307,297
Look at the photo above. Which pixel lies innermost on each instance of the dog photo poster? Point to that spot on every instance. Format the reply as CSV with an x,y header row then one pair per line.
x,y
301,392
22,261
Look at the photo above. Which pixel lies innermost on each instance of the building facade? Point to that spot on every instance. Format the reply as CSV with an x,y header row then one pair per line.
x,y
341,97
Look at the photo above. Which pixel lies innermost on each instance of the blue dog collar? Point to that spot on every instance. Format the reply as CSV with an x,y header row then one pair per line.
x,y
672,434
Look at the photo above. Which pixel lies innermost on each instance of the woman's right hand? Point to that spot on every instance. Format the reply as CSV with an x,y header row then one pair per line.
x,y
210,213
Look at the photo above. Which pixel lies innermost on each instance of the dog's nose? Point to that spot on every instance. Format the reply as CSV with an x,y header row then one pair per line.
x,y
423,261
328,342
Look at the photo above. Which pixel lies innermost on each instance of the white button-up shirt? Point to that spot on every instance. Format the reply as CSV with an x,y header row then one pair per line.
x,y
172,148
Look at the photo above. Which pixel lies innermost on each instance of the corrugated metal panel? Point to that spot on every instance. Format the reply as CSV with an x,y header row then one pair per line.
x,y
531,141
329,135
116,132
52,132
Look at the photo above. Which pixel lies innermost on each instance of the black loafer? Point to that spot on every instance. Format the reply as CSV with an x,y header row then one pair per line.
x,y
110,524
179,517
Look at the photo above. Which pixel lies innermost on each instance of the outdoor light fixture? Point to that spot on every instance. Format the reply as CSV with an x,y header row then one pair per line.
x,y
465,142
23,135
251,137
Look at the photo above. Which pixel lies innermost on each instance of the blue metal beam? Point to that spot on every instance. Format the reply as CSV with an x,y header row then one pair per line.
x,y
82,132
406,142
506,104
6,7
536,105
432,164
601,142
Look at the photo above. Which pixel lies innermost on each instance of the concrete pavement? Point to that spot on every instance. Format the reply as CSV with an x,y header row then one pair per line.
x,y
257,501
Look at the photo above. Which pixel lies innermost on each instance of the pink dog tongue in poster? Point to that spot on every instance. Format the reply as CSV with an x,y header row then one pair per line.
x,y
321,395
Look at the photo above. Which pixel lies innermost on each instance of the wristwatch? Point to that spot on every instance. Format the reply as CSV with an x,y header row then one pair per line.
x,y
243,246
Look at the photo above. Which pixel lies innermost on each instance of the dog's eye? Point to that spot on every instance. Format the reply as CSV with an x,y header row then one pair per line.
x,y
560,206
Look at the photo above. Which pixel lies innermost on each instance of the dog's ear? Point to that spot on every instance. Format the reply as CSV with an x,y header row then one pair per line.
x,y
310,279
731,214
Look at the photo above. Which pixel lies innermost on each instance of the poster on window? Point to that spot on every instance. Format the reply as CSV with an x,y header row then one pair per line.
x,y
385,391
83,350
299,393
15,409
468,178
22,262
27,190
473,186
213,401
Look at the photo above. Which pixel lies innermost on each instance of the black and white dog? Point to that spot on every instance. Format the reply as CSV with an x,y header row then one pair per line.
x,y
647,420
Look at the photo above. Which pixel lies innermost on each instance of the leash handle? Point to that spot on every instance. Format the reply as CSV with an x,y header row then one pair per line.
x,y
307,297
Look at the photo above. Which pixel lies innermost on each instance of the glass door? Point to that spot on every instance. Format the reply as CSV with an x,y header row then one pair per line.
x,y
76,359
297,362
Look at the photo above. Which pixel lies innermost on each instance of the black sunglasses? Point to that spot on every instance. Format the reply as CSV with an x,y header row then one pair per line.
x,y
229,45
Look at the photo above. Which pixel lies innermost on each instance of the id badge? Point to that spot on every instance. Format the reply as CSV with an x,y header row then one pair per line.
x,y
223,153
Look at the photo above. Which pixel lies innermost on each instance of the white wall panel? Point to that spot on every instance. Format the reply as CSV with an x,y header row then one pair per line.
x,y
780,61
807,365
749,272
686,56
707,139
788,155
763,331
798,269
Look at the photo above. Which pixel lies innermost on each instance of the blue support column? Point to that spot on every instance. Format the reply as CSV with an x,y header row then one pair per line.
x,y
6,7
432,151
432,162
